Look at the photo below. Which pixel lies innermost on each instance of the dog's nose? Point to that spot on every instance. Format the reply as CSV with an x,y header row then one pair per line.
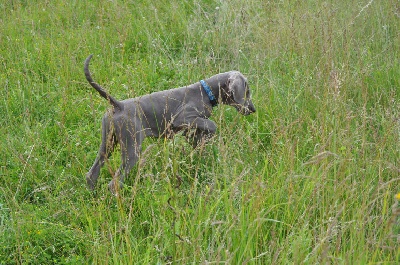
x,y
251,107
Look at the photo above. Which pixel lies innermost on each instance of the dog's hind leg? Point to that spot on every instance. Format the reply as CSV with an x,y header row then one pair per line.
x,y
131,138
107,145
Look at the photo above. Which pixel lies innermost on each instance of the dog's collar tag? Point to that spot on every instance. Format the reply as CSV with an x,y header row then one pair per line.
x,y
209,93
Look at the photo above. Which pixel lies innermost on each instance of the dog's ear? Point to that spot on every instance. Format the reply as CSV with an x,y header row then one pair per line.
x,y
237,88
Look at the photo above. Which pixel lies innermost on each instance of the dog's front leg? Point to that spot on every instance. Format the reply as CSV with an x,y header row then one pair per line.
x,y
203,130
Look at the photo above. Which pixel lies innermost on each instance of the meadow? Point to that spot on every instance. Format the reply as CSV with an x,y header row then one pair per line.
x,y
310,178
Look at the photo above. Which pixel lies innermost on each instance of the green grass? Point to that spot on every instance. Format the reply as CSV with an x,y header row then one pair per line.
x,y
310,178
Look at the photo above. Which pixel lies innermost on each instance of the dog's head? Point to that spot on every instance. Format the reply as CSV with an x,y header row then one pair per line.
x,y
239,94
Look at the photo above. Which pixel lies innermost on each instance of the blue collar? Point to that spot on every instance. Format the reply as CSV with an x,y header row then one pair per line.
x,y
209,93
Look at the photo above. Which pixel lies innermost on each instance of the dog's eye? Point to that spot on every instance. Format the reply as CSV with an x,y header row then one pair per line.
x,y
246,89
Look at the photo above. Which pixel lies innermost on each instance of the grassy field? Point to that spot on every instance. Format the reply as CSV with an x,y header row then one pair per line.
x,y
310,178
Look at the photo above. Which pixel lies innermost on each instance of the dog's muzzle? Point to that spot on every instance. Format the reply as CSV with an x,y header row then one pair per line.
x,y
246,109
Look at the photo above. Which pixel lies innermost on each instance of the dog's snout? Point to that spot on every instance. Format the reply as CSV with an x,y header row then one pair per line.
x,y
248,109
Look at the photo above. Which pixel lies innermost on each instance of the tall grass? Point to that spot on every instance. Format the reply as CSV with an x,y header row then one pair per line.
x,y
310,178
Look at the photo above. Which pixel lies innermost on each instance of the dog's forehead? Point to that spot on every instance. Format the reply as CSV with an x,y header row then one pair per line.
x,y
237,76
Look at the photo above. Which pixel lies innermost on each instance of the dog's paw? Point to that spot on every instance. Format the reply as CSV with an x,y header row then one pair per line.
x,y
90,182
115,188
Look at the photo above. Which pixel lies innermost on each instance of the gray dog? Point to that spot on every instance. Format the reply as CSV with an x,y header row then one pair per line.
x,y
163,114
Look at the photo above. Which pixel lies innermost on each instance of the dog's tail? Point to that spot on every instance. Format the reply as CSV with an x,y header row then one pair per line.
x,y
116,104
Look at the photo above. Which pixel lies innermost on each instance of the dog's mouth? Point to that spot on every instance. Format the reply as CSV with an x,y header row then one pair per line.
x,y
245,110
